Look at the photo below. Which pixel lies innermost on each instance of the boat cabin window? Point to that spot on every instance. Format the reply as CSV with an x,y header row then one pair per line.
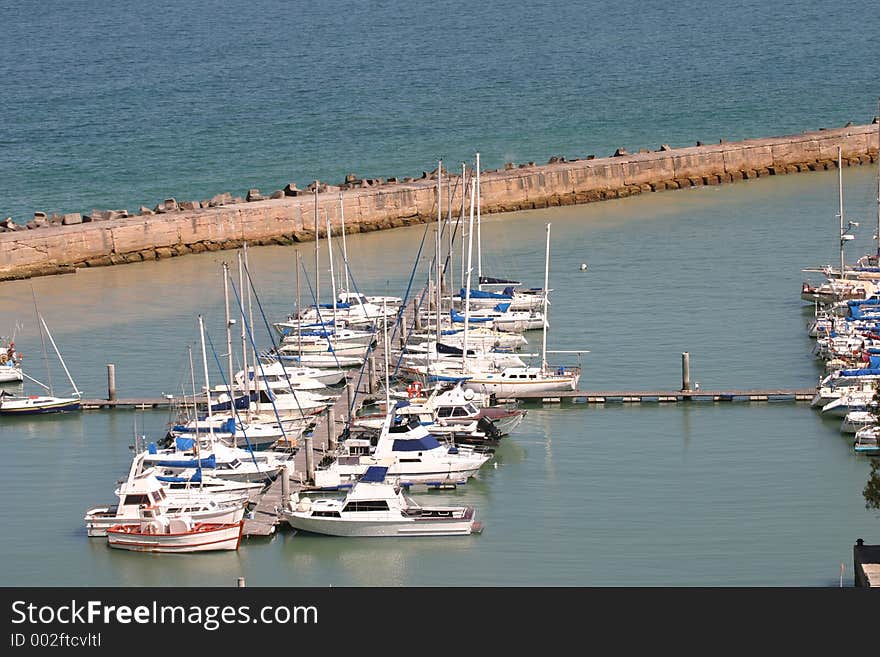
x,y
157,497
444,411
137,500
459,411
471,409
326,514
234,463
367,505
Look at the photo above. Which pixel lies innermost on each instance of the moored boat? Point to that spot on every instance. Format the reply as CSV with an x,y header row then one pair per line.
x,y
375,507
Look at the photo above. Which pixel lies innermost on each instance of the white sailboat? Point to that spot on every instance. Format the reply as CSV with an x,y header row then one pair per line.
x,y
48,403
510,381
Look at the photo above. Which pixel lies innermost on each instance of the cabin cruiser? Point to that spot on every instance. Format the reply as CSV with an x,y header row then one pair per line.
x,y
377,507
409,451
145,489
856,420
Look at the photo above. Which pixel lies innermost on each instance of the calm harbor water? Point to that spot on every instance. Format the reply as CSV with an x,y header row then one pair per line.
x,y
705,494
114,105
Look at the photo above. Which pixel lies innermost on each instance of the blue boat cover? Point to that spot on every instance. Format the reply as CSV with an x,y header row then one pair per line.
x,y
480,294
343,306
458,317
874,362
184,444
375,474
865,371
210,462
502,307
152,449
422,444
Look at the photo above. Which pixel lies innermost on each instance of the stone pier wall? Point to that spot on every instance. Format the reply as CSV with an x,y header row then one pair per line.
x,y
177,229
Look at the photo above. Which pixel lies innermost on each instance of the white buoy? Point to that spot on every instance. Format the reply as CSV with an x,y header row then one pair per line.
x,y
583,266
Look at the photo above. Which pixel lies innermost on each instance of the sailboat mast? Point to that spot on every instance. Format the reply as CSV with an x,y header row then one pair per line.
x,y
228,331
467,286
332,276
439,234
250,316
878,184
344,249
385,357
58,353
479,231
43,344
192,376
840,198
299,344
244,349
317,259
207,384
546,287
461,220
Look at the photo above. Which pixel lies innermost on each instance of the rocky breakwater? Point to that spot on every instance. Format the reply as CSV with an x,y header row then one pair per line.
x,y
63,243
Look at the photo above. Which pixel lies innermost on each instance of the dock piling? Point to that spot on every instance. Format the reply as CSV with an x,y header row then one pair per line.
x,y
371,383
241,582
310,459
331,430
685,371
285,486
111,382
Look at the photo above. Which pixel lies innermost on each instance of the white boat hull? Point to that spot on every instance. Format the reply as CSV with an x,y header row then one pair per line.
x,y
99,520
204,538
405,527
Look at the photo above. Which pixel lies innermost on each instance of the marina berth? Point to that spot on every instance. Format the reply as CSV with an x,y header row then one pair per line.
x,y
856,420
378,507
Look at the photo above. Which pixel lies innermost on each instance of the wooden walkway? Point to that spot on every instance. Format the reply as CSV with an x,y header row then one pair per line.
x,y
142,403
265,514
669,396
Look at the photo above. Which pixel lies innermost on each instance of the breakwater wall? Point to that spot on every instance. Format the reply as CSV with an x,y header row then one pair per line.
x,y
61,244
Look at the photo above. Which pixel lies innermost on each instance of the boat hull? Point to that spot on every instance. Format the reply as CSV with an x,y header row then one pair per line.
x,y
38,405
205,537
405,527
99,520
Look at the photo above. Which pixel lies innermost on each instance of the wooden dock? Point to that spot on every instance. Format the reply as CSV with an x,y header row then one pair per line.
x,y
127,404
669,396
265,516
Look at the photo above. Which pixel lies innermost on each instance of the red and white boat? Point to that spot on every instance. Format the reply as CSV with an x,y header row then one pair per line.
x,y
159,533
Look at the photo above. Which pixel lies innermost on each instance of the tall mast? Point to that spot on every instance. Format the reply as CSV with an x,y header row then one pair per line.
x,y
840,198
385,355
299,344
244,346
332,276
317,259
207,385
878,183
58,353
250,304
479,231
447,271
192,376
344,249
439,234
228,333
461,219
43,343
467,286
546,287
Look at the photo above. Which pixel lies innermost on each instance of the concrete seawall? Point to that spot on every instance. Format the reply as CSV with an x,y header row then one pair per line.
x,y
104,241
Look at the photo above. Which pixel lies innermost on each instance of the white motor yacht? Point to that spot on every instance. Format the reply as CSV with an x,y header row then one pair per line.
x,y
375,507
